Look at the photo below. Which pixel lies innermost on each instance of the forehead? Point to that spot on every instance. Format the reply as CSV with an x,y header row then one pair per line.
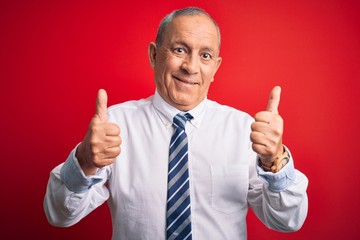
x,y
194,29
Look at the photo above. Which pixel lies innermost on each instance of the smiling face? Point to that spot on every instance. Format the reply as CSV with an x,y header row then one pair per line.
x,y
186,61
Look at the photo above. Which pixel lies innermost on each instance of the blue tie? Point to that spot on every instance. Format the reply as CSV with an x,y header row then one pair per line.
x,y
178,197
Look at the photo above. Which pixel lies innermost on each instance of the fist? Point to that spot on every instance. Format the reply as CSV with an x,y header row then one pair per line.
x,y
267,130
101,144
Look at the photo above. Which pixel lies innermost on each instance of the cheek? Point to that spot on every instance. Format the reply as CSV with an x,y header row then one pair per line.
x,y
163,74
208,73
173,63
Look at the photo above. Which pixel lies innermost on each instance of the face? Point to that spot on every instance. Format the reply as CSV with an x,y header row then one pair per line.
x,y
186,61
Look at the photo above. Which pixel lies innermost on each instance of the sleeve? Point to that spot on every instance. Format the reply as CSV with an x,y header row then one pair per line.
x,y
70,195
279,199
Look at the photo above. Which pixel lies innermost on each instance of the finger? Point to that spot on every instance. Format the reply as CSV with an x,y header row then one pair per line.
x,y
261,127
108,154
261,150
111,129
112,152
274,100
101,105
258,138
104,162
267,144
263,116
113,141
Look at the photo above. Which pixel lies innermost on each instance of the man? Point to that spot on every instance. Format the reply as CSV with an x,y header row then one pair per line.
x,y
220,160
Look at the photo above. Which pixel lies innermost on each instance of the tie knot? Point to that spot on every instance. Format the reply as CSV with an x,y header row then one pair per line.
x,y
180,120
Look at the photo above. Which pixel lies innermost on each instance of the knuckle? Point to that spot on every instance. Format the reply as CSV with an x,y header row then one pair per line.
x,y
118,141
93,127
95,147
118,130
268,151
261,114
255,147
94,153
114,128
253,126
257,115
279,120
117,151
252,136
278,131
93,143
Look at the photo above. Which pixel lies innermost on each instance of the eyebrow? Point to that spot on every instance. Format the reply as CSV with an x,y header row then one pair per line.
x,y
182,43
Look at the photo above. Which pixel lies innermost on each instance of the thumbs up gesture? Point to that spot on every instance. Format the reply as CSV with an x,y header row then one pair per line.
x,y
267,130
101,144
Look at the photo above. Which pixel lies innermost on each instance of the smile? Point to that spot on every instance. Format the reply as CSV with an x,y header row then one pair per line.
x,y
185,81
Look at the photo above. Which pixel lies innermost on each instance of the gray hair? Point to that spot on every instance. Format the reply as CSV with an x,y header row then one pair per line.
x,y
189,11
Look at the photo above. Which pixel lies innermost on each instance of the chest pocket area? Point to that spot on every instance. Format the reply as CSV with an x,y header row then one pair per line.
x,y
230,185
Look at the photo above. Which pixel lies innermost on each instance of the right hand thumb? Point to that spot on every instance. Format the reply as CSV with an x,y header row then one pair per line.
x,y
101,106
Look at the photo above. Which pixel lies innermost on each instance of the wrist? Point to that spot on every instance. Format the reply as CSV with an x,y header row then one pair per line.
x,y
277,163
87,167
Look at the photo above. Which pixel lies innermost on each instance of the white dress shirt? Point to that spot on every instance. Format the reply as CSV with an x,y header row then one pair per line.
x,y
224,177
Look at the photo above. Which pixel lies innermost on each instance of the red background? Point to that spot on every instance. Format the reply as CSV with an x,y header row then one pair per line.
x,y
55,55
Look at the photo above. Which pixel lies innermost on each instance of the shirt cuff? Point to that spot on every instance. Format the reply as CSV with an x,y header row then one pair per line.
x,y
73,176
281,180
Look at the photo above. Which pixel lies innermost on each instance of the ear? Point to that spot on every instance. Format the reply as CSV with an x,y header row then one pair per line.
x,y
152,54
217,65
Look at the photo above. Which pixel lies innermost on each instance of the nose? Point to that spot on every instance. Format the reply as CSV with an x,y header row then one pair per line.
x,y
191,64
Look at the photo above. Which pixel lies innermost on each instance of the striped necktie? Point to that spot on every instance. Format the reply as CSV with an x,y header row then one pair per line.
x,y
178,196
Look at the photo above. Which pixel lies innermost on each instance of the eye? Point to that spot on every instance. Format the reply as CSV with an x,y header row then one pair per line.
x,y
179,50
206,56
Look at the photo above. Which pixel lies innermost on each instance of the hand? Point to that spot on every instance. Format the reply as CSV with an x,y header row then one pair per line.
x,y
267,130
101,144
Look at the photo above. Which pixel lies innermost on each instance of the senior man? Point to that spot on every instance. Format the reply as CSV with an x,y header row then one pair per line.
x,y
177,165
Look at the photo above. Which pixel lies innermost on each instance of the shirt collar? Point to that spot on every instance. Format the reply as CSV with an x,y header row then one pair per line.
x,y
166,112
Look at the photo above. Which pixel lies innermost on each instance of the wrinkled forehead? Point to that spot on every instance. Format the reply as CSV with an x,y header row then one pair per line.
x,y
197,26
